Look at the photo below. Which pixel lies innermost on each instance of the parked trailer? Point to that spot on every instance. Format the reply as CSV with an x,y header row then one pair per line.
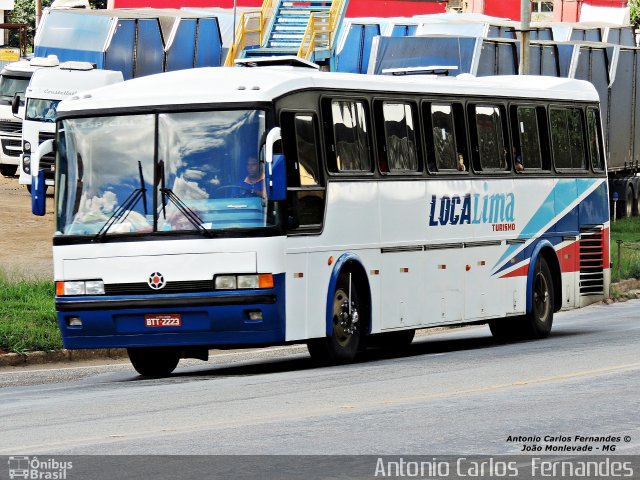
x,y
614,70
135,42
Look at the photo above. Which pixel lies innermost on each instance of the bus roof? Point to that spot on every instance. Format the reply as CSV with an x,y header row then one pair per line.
x,y
259,84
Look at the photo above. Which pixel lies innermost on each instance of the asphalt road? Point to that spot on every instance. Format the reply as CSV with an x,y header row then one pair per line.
x,y
452,393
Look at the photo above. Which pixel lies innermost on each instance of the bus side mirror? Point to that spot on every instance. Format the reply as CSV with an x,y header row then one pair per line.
x,y
38,194
15,104
277,189
275,172
38,185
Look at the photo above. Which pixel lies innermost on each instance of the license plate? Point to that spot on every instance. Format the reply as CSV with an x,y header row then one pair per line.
x,y
163,320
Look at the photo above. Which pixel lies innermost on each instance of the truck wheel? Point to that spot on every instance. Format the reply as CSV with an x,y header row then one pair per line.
x,y
628,204
154,362
342,345
8,170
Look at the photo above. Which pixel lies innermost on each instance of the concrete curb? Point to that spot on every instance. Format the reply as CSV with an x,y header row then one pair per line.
x,y
53,356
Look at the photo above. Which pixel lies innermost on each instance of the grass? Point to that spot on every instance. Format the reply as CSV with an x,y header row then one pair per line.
x,y
628,232
28,317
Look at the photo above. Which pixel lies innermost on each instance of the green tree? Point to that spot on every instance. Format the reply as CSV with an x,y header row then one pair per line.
x,y
635,12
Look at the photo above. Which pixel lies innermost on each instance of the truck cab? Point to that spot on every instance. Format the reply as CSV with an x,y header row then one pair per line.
x,y
46,90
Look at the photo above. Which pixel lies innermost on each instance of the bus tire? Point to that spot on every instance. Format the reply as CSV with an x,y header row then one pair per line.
x,y
537,324
154,362
343,343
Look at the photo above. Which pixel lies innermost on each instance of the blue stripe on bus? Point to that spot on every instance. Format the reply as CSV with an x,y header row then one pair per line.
x,y
561,196
201,325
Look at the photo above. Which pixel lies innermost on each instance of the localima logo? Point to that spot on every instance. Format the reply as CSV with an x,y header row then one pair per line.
x,y
156,281
497,209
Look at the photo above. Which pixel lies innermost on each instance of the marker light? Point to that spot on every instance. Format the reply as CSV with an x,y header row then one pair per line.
x,y
243,281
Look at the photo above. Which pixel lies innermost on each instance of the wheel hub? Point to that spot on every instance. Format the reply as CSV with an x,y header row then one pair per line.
x,y
348,321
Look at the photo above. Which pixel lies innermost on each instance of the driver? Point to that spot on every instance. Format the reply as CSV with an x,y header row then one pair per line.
x,y
253,183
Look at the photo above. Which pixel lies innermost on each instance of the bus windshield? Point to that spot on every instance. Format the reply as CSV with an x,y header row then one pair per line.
x,y
41,110
167,172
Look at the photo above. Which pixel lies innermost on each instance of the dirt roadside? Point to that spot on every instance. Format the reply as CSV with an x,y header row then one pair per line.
x,y
25,240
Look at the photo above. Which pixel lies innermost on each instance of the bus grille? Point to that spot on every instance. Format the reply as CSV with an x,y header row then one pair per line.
x,y
195,286
591,262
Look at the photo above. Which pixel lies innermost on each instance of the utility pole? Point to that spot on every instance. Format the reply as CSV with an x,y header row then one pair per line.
x,y
38,12
525,16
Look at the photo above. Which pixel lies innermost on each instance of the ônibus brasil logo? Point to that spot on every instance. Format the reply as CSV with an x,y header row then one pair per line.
x,y
497,209
34,468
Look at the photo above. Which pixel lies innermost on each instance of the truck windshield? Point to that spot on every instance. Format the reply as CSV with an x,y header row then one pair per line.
x,y
167,172
10,85
41,110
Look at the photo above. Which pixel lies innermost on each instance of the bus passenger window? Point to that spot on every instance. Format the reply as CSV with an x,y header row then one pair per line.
x,y
307,153
491,148
595,142
528,137
444,141
400,138
567,138
350,136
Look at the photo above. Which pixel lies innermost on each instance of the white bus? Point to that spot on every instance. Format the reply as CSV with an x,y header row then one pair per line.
x,y
391,204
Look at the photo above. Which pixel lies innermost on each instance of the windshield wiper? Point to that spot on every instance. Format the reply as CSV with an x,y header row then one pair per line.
x,y
123,210
188,213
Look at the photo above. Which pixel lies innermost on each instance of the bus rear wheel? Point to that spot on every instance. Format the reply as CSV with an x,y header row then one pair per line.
x,y
343,343
536,324
154,362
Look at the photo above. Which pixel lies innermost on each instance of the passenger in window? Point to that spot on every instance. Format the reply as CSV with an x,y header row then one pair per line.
x,y
461,166
517,160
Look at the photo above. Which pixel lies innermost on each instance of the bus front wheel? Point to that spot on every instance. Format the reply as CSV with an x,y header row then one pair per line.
x,y
154,362
347,316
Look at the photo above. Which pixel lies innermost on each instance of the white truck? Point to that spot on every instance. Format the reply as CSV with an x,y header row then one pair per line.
x,y
14,79
46,89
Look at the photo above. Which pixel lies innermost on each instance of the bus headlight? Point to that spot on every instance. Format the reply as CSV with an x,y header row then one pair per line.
x,y
94,287
247,281
80,287
27,147
243,282
225,282
26,164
